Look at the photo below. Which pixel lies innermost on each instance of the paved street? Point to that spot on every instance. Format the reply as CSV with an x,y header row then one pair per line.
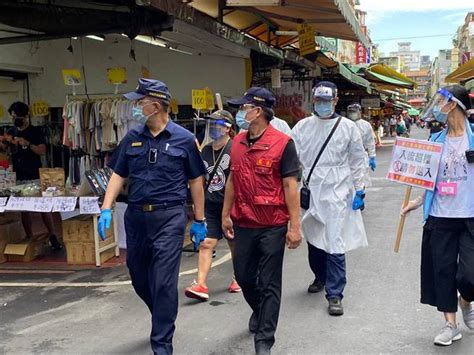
x,y
382,309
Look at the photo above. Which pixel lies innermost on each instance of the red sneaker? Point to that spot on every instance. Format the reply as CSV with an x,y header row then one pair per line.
x,y
197,292
234,287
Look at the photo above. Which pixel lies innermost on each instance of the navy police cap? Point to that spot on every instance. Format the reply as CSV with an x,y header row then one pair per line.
x,y
255,95
149,87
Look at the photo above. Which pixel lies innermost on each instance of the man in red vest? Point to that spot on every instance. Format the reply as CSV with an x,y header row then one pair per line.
x,y
261,197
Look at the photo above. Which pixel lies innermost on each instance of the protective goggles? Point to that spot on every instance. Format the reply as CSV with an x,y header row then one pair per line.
x,y
439,100
354,108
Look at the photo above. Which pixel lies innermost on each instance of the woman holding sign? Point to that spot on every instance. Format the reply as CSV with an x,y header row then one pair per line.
x,y
447,259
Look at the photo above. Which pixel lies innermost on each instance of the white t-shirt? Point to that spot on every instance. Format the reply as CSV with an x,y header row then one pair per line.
x,y
454,168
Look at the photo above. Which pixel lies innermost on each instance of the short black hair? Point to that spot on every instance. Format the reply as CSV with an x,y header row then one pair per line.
x,y
460,93
267,112
20,108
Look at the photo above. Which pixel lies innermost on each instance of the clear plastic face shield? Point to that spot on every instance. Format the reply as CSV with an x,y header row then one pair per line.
x,y
437,103
215,130
354,112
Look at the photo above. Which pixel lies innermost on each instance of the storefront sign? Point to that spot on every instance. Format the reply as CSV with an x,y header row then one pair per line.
x,y
372,102
199,99
72,77
30,204
361,54
39,108
210,104
117,75
415,163
307,41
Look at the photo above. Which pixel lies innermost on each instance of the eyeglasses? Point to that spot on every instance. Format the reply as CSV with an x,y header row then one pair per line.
x,y
247,107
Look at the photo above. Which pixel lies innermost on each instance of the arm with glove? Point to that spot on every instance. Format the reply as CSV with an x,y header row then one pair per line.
x,y
198,231
357,163
113,189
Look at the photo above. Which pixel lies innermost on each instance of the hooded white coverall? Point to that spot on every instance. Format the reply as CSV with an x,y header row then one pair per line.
x,y
367,134
330,223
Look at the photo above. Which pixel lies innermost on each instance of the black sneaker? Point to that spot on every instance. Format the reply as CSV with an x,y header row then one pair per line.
x,y
253,323
262,349
316,286
54,243
335,307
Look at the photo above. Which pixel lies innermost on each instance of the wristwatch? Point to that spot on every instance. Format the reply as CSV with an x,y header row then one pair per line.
x,y
199,220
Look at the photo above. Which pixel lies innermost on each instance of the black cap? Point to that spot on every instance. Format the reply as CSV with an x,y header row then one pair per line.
x,y
257,96
325,90
150,87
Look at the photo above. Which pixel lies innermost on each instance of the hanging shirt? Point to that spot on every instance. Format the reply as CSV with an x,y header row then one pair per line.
x,y
454,168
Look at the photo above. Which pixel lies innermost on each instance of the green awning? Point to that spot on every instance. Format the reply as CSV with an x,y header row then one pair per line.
x,y
353,78
382,79
413,112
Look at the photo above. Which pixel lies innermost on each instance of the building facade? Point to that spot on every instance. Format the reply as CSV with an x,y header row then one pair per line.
x,y
409,59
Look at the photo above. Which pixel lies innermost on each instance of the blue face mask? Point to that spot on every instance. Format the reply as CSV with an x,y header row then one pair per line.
x,y
242,123
439,115
323,109
138,115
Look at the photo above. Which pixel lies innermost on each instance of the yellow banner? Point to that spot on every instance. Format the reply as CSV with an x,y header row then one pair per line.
x,y
72,77
39,108
199,99
210,104
117,75
307,42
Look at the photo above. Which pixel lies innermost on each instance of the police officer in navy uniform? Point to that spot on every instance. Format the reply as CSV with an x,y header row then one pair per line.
x,y
160,159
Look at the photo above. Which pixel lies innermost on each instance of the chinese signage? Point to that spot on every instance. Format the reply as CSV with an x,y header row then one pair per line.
x,y
370,102
199,98
307,41
415,163
39,108
361,54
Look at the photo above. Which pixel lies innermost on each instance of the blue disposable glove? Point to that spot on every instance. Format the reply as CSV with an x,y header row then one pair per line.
x,y
358,203
104,222
198,233
372,163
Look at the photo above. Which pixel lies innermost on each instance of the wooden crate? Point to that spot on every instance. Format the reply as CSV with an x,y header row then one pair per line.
x,y
84,253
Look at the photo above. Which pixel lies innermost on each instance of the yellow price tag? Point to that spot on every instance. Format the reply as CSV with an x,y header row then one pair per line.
x,y
199,99
174,106
210,104
2,111
72,77
306,38
39,108
117,75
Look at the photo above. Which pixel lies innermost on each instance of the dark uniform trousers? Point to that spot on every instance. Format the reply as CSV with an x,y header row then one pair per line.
x,y
447,262
330,269
154,243
258,264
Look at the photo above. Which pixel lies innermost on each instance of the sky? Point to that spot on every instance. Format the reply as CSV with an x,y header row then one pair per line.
x,y
393,21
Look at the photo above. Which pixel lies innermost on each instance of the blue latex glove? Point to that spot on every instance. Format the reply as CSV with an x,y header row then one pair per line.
x,y
104,222
198,233
373,163
358,203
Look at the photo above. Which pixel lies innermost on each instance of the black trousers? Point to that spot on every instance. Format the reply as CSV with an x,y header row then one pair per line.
x,y
154,242
447,262
258,265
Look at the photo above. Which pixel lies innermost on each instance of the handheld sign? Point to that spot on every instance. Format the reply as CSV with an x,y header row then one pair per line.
x,y
414,163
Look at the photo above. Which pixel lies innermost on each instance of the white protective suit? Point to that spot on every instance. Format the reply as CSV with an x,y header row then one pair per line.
x,y
330,223
365,129
280,125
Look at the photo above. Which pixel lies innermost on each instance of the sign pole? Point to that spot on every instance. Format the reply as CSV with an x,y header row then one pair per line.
x,y
401,225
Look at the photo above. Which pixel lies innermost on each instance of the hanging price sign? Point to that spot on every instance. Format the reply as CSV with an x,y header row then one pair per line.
x,y
306,38
72,77
210,104
2,111
174,106
39,108
117,75
199,99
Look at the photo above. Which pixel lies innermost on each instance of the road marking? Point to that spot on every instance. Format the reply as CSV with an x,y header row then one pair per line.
x,y
218,262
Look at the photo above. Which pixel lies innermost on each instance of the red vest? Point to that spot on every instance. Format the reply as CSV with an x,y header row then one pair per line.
x,y
259,198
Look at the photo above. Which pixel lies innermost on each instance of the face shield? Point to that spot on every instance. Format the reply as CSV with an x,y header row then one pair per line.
x,y
433,109
354,112
215,130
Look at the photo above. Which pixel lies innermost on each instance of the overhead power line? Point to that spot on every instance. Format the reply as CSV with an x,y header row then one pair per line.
x,y
414,37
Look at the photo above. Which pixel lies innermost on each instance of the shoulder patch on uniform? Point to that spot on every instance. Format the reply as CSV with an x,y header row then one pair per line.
x,y
137,144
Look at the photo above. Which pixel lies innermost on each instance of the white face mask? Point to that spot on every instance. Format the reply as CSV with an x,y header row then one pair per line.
x,y
354,116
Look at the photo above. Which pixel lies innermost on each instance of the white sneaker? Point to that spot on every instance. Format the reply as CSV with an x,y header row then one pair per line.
x,y
448,334
467,314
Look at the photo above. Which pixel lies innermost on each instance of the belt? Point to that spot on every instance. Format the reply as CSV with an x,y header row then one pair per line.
x,y
159,206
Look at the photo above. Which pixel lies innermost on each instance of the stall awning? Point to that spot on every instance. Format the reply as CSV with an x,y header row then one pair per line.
x,y
463,73
330,18
349,77
383,75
